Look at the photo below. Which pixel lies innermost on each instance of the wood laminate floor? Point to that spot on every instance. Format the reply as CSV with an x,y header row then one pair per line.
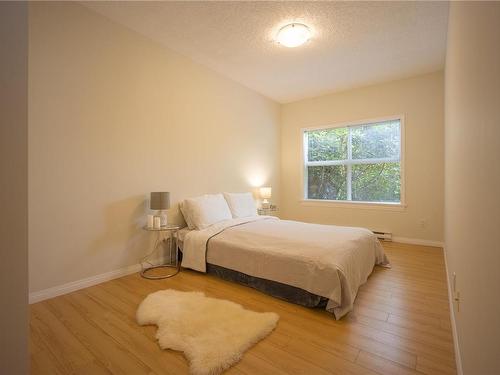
x,y
400,325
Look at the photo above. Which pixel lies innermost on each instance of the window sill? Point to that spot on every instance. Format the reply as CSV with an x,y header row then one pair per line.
x,y
353,204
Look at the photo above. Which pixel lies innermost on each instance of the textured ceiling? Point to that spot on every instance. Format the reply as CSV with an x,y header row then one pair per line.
x,y
353,44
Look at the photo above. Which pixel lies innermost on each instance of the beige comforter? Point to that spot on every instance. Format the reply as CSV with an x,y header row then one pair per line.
x,y
326,260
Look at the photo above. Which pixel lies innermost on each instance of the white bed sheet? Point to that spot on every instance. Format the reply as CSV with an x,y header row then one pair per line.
x,y
326,260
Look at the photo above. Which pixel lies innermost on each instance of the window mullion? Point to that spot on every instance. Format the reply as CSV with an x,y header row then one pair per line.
x,y
349,166
305,181
327,163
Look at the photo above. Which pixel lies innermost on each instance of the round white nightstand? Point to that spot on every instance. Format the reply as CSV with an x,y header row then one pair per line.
x,y
173,259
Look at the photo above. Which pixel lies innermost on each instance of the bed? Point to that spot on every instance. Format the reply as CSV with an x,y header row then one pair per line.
x,y
310,264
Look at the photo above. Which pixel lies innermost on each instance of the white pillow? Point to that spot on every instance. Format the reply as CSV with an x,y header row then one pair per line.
x,y
185,213
241,204
206,210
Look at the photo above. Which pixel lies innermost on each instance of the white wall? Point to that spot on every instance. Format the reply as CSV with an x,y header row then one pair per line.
x,y
420,100
14,186
472,175
113,116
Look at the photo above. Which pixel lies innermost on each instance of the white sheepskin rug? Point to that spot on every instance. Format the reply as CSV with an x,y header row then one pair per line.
x,y
212,333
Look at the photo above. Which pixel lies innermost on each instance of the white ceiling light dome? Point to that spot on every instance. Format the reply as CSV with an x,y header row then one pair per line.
x,y
293,35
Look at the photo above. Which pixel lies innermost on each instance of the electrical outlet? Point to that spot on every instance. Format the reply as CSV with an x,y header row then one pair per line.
x,y
457,300
423,223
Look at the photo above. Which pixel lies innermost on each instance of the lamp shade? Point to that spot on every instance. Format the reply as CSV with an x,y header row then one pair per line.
x,y
160,200
265,192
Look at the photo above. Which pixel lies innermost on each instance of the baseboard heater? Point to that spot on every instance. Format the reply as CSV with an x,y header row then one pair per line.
x,y
384,236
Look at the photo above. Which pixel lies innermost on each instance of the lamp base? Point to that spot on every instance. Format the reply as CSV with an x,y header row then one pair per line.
x,y
265,204
163,218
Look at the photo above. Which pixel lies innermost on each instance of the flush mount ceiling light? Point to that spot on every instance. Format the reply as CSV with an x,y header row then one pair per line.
x,y
293,35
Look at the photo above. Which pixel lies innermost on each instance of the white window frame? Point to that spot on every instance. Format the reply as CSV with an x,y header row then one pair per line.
x,y
396,206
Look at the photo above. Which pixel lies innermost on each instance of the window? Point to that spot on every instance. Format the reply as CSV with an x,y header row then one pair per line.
x,y
358,163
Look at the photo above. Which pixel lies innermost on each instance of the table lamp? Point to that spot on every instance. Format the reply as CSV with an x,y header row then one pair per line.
x,y
160,201
265,193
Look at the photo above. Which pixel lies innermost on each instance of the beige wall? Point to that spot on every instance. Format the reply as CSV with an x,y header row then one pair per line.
x,y
14,186
472,207
420,100
114,116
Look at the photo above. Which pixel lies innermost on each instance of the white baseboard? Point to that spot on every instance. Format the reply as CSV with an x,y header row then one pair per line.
x,y
417,241
80,284
458,358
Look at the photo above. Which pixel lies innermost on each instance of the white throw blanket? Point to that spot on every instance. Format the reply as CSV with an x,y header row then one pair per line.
x,y
326,260
194,250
